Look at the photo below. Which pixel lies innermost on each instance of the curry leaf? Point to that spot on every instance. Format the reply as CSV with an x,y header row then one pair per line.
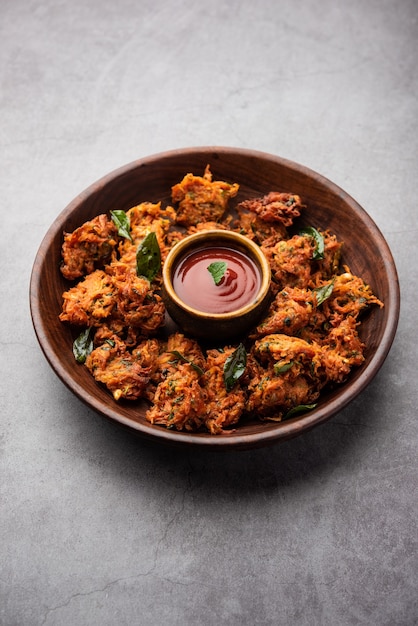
x,y
235,366
148,257
180,357
217,269
319,249
82,346
324,292
122,222
282,368
300,408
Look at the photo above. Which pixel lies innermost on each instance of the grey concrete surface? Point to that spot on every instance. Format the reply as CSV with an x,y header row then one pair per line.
x,y
98,528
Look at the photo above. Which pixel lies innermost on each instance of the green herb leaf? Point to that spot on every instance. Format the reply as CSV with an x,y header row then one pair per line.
x,y
318,252
281,369
235,366
180,357
148,257
324,292
217,269
121,221
82,346
301,408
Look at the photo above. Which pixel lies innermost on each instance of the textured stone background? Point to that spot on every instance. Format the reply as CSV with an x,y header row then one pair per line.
x,y
100,528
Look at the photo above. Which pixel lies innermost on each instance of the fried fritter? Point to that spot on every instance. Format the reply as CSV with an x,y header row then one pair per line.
x,y
88,247
224,408
179,401
90,302
281,376
290,261
144,218
276,207
291,310
200,199
118,297
349,297
114,366
341,351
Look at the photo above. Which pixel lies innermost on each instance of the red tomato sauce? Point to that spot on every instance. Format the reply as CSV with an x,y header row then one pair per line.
x,y
195,285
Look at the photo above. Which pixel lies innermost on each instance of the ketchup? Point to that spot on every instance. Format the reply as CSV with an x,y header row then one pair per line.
x,y
195,285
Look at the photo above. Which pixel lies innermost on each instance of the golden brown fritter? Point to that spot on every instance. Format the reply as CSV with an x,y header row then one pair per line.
x,y
341,351
350,296
200,199
145,218
179,401
290,261
276,207
88,247
224,408
136,304
117,297
281,380
114,366
292,309
90,302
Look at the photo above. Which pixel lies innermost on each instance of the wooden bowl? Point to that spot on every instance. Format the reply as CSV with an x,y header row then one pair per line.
x,y
365,251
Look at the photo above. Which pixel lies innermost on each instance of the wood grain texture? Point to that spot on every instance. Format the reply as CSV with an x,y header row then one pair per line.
x,y
150,179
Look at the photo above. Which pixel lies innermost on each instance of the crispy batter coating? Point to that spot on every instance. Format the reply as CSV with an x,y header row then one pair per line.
x,y
276,207
307,341
88,247
282,376
90,302
200,199
340,352
118,297
290,261
224,408
144,218
292,309
350,296
255,228
179,401
114,366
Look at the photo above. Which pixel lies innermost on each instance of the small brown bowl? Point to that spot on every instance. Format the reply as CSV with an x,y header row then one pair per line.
x,y
210,326
328,206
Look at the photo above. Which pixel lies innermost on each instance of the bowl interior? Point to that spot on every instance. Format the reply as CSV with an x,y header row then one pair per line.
x,y
365,251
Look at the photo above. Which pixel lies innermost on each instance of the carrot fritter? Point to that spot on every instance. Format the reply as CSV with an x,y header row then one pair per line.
x,y
290,261
350,296
90,302
88,247
180,349
144,218
114,366
118,297
341,351
276,207
224,408
200,199
136,304
292,309
258,230
179,401
283,377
